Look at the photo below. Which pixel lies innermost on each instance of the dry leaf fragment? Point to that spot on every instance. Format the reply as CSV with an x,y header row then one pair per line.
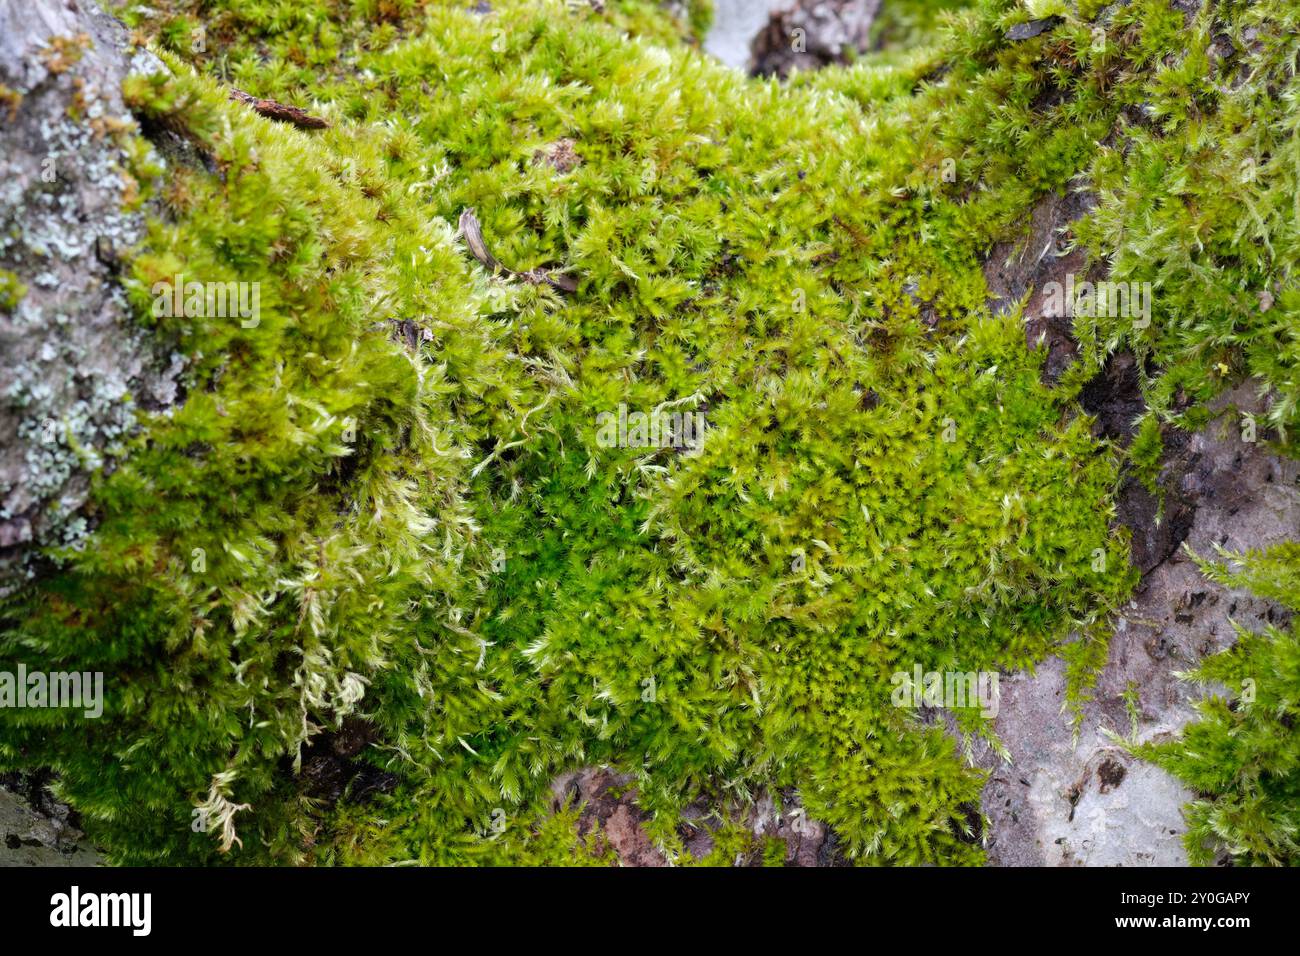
x,y
473,234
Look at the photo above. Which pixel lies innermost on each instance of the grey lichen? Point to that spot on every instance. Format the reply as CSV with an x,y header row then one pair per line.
x,y
75,367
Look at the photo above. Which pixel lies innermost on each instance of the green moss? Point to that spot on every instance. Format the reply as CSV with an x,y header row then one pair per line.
x,y
11,291
902,24
652,19
387,498
1146,451
1198,197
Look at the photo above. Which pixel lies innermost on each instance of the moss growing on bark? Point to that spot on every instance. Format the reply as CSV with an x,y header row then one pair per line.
x,y
1243,755
387,499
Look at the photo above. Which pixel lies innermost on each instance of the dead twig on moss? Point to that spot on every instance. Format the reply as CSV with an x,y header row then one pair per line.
x,y
279,111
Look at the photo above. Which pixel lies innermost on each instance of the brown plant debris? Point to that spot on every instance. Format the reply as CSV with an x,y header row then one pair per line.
x,y
473,233
560,155
279,111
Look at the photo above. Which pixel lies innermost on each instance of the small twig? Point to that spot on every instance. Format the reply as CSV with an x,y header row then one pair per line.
x,y
279,111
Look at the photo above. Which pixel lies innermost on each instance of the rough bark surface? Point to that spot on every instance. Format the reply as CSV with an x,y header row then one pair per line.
x,y
811,34
37,830
73,367
735,24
